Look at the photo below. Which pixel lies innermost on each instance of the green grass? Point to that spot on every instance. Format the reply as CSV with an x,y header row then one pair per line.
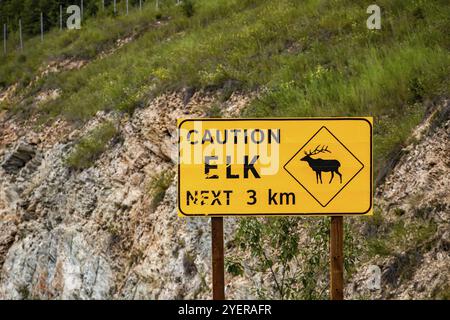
x,y
234,267
400,237
312,57
378,247
376,219
158,187
442,293
214,111
96,36
24,292
307,58
90,147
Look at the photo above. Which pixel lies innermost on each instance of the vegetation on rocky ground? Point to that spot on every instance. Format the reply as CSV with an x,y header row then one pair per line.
x,y
307,58
292,252
90,147
158,186
313,57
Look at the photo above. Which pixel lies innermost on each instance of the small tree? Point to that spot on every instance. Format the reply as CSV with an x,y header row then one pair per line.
x,y
298,267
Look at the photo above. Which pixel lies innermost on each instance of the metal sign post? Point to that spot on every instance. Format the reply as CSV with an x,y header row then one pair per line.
x,y
218,273
337,258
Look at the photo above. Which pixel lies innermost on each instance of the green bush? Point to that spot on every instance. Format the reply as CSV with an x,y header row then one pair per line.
x,y
378,247
158,186
90,147
298,270
442,293
401,236
188,8
234,267
214,111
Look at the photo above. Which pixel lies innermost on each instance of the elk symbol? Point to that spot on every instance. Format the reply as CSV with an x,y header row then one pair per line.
x,y
321,165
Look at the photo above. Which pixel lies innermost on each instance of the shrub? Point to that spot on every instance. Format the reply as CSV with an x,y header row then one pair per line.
x,y
401,236
24,292
188,8
275,245
158,187
90,147
441,293
234,267
214,111
189,265
378,247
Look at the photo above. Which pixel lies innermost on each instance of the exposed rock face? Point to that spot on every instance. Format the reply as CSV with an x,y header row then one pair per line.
x,y
418,189
57,264
93,234
18,158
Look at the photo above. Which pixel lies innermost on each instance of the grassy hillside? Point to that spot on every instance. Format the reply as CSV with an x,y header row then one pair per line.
x,y
304,58
311,57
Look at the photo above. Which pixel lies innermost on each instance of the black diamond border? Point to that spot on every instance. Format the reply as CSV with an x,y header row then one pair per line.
x,y
323,205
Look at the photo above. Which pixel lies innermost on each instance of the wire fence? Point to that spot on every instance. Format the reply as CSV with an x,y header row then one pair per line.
x,y
138,5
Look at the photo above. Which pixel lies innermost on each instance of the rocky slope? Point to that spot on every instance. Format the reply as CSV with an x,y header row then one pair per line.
x,y
95,234
416,193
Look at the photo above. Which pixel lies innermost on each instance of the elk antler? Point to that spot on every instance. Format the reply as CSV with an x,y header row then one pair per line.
x,y
317,150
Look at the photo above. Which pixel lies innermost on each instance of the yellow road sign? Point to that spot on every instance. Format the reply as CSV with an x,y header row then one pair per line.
x,y
250,167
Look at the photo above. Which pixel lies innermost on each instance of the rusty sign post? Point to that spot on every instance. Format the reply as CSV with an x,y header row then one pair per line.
x,y
337,258
275,167
218,272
